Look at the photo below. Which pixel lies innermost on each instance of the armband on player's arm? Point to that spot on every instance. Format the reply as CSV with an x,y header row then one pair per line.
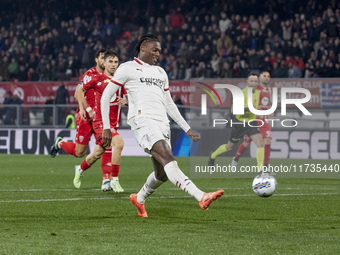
x,y
172,110
108,93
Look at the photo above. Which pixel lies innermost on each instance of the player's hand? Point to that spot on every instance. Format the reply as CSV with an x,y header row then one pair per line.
x,y
82,114
107,137
121,101
194,136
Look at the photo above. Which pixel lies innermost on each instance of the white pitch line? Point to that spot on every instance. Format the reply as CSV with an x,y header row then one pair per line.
x,y
161,197
204,188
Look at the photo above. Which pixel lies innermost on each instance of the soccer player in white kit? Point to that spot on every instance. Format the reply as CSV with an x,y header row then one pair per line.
x,y
150,101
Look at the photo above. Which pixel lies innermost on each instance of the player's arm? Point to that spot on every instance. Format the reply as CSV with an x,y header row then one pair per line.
x,y
108,93
173,112
83,105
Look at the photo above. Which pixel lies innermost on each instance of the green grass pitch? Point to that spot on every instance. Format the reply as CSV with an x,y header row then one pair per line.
x,y
41,213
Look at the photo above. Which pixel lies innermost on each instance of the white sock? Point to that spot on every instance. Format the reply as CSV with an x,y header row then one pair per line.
x,y
176,176
148,188
114,178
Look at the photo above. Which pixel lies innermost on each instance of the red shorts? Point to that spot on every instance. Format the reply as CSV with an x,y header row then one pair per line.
x,y
84,131
265,130
98,132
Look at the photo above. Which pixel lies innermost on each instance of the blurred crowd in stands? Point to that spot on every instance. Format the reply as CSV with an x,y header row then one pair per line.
x,y
57,39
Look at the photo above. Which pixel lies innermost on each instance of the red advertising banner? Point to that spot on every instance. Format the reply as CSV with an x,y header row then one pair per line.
x,y
36,92
325,92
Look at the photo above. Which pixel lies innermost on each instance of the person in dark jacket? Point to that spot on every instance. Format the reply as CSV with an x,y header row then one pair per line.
x,y
62,98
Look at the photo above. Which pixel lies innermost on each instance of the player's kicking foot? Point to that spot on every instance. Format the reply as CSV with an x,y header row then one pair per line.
x,y
234,163
116,186
55,147
140,207
78,174
106,185
208,198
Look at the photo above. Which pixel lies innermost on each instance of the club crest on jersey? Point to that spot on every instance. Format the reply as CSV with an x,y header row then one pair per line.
x,y
87,79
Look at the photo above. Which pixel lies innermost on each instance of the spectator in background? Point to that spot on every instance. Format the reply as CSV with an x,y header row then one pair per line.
x,y
287,29
224,22
275,24
32,75
4,73
62,98
177,19
13,68
22,74
11,112
48,112
224,45
8,100
70,121
282,71
294,71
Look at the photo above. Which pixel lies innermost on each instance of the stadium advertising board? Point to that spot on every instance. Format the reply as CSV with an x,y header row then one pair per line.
x,y
39,141
325,93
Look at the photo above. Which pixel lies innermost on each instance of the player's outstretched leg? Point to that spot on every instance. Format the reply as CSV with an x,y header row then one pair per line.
x,y
148,188
217,152
55,147
177,177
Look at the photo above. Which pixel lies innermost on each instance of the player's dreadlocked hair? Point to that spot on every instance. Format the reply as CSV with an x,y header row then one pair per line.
x,y
145,38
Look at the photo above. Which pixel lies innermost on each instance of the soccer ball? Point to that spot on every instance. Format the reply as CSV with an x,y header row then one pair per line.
x,y
264,185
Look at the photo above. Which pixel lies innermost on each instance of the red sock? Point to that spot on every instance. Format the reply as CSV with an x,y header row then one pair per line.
x,y
106,164
240,151
266,154
84,165
114,170
69,147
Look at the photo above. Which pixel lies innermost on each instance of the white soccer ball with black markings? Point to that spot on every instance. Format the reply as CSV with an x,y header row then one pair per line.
x,y
264,185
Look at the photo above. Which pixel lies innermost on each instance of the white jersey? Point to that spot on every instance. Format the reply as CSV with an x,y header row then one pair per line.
x,y
145,85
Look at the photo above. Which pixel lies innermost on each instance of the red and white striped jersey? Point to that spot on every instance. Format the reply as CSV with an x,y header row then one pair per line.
x,y
87,77
98,83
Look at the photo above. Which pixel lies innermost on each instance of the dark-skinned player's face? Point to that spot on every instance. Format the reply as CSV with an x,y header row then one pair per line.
x,y
150,51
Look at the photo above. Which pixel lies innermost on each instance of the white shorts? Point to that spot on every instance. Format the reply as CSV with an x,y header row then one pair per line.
x,y
148,131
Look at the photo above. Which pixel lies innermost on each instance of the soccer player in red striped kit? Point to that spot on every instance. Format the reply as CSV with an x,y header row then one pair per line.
x,y
84,123
98,83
